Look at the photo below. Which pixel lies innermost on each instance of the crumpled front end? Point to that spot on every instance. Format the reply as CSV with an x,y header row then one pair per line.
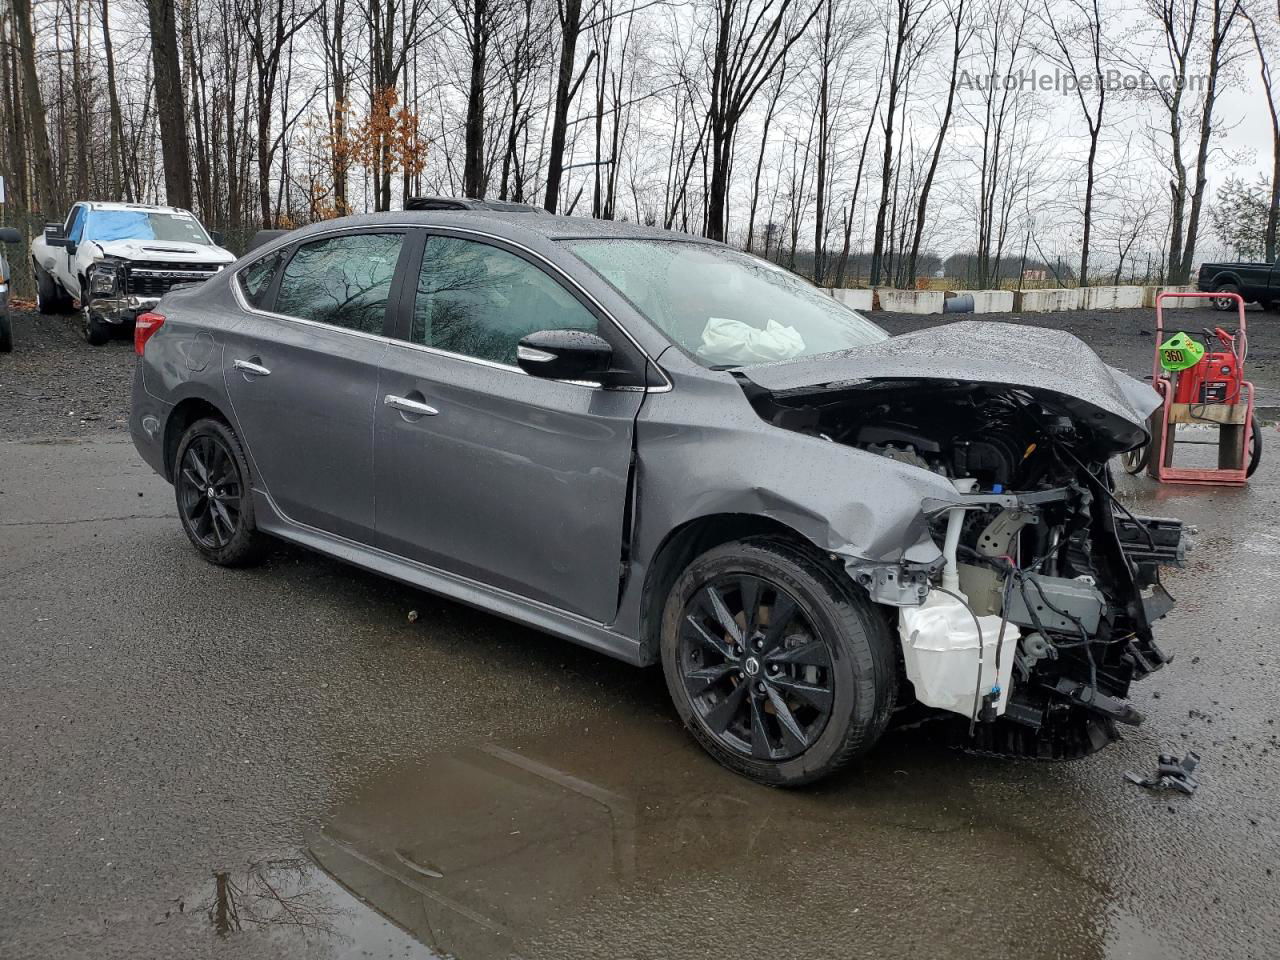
x,y
1027,608
119,289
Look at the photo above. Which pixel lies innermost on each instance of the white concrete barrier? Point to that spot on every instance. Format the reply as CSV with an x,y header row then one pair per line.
x,y
987,301
910,301
853,299
1110,298
1176,303
1041,301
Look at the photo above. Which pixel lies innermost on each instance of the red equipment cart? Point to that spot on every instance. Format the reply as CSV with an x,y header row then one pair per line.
x,y
1214,392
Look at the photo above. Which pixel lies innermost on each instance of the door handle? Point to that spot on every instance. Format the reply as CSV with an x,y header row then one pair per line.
x,y
405,405
250,368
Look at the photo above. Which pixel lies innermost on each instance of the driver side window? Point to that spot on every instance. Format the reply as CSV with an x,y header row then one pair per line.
x,y
75,224
479,300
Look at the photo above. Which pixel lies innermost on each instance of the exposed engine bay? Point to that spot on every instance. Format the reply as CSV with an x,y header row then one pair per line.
x,y
1059,579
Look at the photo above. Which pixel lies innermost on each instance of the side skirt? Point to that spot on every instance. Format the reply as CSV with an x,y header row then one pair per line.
x,y
587,633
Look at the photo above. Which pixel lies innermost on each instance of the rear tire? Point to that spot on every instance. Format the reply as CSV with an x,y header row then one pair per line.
x,y
784,707
215,501
50,297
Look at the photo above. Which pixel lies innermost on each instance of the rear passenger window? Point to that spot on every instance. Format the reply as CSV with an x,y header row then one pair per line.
x,y
255,279
342,281
479,300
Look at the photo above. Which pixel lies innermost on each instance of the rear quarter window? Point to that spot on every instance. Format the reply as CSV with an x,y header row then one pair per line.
x,y
255,279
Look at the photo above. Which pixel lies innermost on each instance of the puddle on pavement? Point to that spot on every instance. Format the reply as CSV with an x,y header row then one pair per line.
x,y
628,841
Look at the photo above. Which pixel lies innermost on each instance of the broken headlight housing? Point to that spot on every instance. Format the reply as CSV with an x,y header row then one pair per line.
x,y
104,278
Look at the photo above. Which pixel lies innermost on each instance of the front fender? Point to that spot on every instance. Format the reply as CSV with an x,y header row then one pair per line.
x,y
701,453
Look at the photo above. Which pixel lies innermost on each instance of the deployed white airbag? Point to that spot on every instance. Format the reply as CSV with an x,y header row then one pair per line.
x,y
732,341
940,647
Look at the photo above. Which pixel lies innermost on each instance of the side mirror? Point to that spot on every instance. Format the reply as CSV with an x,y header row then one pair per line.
x,y
10,235
54,236
216,237
564,355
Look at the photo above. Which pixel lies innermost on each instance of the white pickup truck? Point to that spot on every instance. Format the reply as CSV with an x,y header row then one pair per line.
x,y
118,260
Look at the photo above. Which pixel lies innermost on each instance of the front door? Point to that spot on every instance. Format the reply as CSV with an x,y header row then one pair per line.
x,y
511,480
302,371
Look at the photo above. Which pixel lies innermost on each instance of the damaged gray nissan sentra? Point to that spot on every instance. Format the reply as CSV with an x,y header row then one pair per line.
x,y
670,451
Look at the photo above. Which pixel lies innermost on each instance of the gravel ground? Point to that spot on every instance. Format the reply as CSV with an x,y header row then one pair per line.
x,y
56,385
1126,338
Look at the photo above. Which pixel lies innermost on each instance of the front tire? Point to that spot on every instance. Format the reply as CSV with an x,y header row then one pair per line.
x,y
780,667
95,331
215,503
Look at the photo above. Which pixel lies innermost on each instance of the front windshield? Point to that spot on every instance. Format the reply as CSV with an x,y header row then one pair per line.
x,y
723,307
107,225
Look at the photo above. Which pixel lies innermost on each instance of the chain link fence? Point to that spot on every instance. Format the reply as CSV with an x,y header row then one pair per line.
x,y
18,255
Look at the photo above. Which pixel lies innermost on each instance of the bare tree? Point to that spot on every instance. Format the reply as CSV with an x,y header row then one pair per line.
x,y
1264,43
170,105
961,32
906,41
746,40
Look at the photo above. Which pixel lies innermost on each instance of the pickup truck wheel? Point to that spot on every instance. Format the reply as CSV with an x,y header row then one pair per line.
x,y
215,503
781,669
6,333
1225,303
96,332
49,296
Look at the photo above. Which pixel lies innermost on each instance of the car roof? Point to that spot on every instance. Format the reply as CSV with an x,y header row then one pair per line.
x,y
111,205
515,226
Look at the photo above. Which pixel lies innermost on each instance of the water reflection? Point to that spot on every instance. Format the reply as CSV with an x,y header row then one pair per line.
x,y
628,842
625,841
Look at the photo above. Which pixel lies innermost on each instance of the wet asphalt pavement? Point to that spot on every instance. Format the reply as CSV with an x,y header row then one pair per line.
x,y
303,760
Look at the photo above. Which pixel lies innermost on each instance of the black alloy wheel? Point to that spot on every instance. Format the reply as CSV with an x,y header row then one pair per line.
x,y
757,672
209,492
777,662
210,480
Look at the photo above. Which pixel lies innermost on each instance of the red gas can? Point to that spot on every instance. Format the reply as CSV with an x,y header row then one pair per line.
x,y
1215,379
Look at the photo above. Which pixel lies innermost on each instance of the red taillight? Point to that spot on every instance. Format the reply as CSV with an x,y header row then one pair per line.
x,y
143,328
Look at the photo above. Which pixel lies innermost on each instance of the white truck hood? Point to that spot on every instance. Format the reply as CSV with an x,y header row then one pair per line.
x,y
164,251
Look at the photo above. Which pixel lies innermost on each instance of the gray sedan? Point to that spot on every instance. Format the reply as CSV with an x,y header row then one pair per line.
x,y
674,452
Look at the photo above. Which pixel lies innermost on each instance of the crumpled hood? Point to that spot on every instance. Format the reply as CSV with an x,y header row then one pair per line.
x,y
1039,360
165,250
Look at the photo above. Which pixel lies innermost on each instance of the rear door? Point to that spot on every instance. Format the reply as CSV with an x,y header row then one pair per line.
x,y
511,480
302,373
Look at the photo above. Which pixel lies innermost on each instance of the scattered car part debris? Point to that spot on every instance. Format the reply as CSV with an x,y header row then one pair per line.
x,y
1171,774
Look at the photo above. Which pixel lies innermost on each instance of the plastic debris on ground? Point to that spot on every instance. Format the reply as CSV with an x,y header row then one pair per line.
x,y
1171,773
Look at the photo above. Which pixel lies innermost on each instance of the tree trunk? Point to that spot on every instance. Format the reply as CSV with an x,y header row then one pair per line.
x,y
473,167
170,107
116,123
570,28
38,131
